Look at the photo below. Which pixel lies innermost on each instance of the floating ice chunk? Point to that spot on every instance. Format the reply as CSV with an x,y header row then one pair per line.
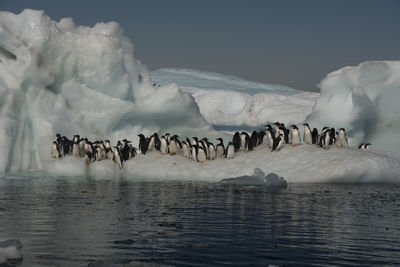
x,y
258,178
10,250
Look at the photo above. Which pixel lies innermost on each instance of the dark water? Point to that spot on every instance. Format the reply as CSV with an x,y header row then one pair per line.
x,y
83,221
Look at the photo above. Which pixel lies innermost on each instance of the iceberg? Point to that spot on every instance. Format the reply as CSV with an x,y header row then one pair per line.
x,y
230,101
271,180
58,77
362,99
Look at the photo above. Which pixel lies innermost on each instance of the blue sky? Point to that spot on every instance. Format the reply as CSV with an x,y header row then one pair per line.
x,y
295,43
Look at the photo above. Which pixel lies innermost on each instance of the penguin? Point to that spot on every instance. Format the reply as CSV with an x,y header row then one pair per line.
x,y
185,149
314,136
164,145
367,146
236,141
82,147
270,136
90,157
252,141
230,151
295,135
277,125
307,136
341,140
203,145
167,136
189,143
98,152
143,144
75,149
327,138
220,148
117,157
285,133
109,152
278,143
321,136
195,141
103,150
260,137
125,151
244,138
151,143
173,146
201,155
195,149
157,142
132,151
55,152
212,153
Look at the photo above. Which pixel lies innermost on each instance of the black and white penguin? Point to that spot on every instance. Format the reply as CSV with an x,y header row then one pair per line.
x,y
203,144
125,151
212,153
195,149
157,142
314,136
244,138
201,154
220,148
364,146
278,143
117,156
164,145
236,141
341,139
270,136
89,157
186,149
321,136
132,151
98,152
55,152
253,140
75,146
260,137
152,143
295,135
307,137
173,145
143,144
276,129
230,151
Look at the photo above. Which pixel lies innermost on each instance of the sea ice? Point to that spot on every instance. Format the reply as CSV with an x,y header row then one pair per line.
x,y
10,250
258,178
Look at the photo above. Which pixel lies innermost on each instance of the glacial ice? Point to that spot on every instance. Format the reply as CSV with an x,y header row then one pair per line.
x,y
230,101
60,77
362,99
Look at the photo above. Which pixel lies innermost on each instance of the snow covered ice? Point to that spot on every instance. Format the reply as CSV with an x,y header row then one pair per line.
x,y
57,77
10,250
258,178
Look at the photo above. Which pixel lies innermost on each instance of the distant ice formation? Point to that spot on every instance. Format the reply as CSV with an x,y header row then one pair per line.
x,y
230,101
364,100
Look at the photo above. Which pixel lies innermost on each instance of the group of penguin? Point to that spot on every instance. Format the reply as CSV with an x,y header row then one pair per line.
x,y
197,149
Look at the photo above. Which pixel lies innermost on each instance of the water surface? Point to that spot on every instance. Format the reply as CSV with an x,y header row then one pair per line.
x,y
63,221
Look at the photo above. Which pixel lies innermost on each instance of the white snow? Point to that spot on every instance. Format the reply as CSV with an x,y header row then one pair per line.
x,y
60,77
364,100
230,101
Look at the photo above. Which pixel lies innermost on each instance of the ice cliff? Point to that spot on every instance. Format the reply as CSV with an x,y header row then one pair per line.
x,y
60,77
362,99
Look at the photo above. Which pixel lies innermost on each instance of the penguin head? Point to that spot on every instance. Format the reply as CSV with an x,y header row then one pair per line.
x,y
306,125
58,135
141,136
342,130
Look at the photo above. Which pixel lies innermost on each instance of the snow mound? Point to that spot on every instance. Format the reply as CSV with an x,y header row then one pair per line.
x,y
230,101
362,99
60,77
10,250
258,178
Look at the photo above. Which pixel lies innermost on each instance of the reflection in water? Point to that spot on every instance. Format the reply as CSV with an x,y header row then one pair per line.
x,y
81,221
